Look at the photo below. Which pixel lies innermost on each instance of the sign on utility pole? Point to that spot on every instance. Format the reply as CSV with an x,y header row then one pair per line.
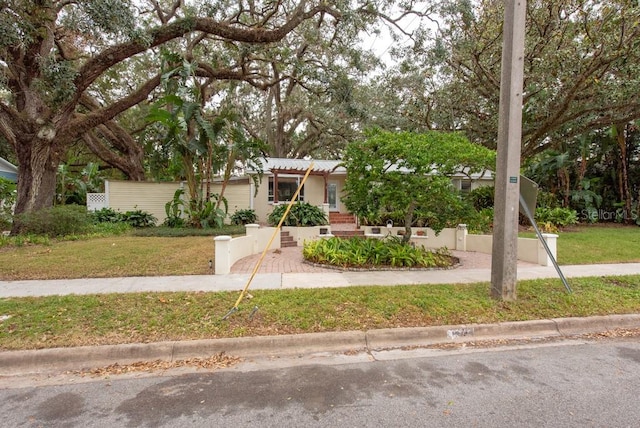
x,y
504,256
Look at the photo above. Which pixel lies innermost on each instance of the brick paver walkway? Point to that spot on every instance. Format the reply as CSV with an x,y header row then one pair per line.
x,y
289,260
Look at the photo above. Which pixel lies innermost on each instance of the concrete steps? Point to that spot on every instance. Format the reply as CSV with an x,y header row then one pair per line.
x,y
341,218
286,240
348,233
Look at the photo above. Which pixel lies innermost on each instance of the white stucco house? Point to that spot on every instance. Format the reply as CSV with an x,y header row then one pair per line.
x,y
324,185
280,179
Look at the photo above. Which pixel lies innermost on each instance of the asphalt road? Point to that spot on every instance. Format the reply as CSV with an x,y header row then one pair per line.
x,y
556,384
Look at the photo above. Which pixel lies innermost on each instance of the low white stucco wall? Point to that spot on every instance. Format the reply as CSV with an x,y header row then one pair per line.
x,y
529,249
229,250
421,236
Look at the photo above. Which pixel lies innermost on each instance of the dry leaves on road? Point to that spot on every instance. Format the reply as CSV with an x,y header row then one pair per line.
x,y
217,361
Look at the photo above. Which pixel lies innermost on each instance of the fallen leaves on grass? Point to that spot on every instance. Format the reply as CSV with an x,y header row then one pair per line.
x,y
217,361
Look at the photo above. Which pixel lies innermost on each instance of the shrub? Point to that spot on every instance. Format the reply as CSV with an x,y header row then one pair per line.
x,y
480,222
368,252
139,218
301,214
7,199
204,214
174,210
482,197
244,217
556,217
547,200
56,221
106,215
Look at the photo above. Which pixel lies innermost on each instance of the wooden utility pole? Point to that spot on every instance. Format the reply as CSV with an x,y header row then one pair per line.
x,y
504,259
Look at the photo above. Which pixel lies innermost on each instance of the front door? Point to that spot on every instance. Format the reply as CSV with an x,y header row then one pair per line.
x,y
332,196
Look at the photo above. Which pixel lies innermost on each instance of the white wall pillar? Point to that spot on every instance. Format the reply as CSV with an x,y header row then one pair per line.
x,y
222,254
461,237
325,209
552,243
252,230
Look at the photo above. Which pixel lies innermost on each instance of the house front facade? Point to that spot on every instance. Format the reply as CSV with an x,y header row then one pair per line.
x,y
282,177
324,186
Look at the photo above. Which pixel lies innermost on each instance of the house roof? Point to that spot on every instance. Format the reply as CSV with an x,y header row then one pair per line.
x,y
333,167
301,165
8,170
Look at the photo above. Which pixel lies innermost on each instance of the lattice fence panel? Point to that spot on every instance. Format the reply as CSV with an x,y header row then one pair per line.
x,y
96,201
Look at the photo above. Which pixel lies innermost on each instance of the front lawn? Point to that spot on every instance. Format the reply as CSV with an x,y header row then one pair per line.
x,y
599,244
129,255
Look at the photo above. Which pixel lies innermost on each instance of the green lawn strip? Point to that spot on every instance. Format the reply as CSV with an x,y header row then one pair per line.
x,y
109,257
46,322
597,244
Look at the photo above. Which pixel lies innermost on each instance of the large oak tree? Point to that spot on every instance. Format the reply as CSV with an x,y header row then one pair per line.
x,y
55,54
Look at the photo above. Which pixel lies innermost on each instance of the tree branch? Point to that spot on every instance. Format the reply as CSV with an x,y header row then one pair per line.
x,y
160,35
80,125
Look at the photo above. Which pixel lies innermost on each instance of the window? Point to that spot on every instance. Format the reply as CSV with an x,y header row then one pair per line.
x,y
287,186
463,185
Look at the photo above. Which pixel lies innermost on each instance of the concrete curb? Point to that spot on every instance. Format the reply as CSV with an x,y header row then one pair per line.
x,y
62,359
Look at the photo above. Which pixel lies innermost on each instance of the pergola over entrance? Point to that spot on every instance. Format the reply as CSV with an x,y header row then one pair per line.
x,y
321,168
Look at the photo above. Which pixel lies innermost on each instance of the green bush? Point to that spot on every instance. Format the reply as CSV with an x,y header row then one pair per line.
x,y
481,197
301,214
56,221
139,219
244,217
547,200
106,215
558,217
371,252
174,210
135,218
480,222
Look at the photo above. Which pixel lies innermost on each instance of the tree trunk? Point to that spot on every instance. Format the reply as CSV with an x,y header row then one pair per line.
x,y
38,164
623,174
408,220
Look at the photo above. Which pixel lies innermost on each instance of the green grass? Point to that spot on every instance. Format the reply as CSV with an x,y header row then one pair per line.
x,y
108,257
589,244
65,321
142,252
593,244
178,252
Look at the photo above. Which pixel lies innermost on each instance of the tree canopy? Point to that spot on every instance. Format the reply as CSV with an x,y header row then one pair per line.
x,y
582,61
409,174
